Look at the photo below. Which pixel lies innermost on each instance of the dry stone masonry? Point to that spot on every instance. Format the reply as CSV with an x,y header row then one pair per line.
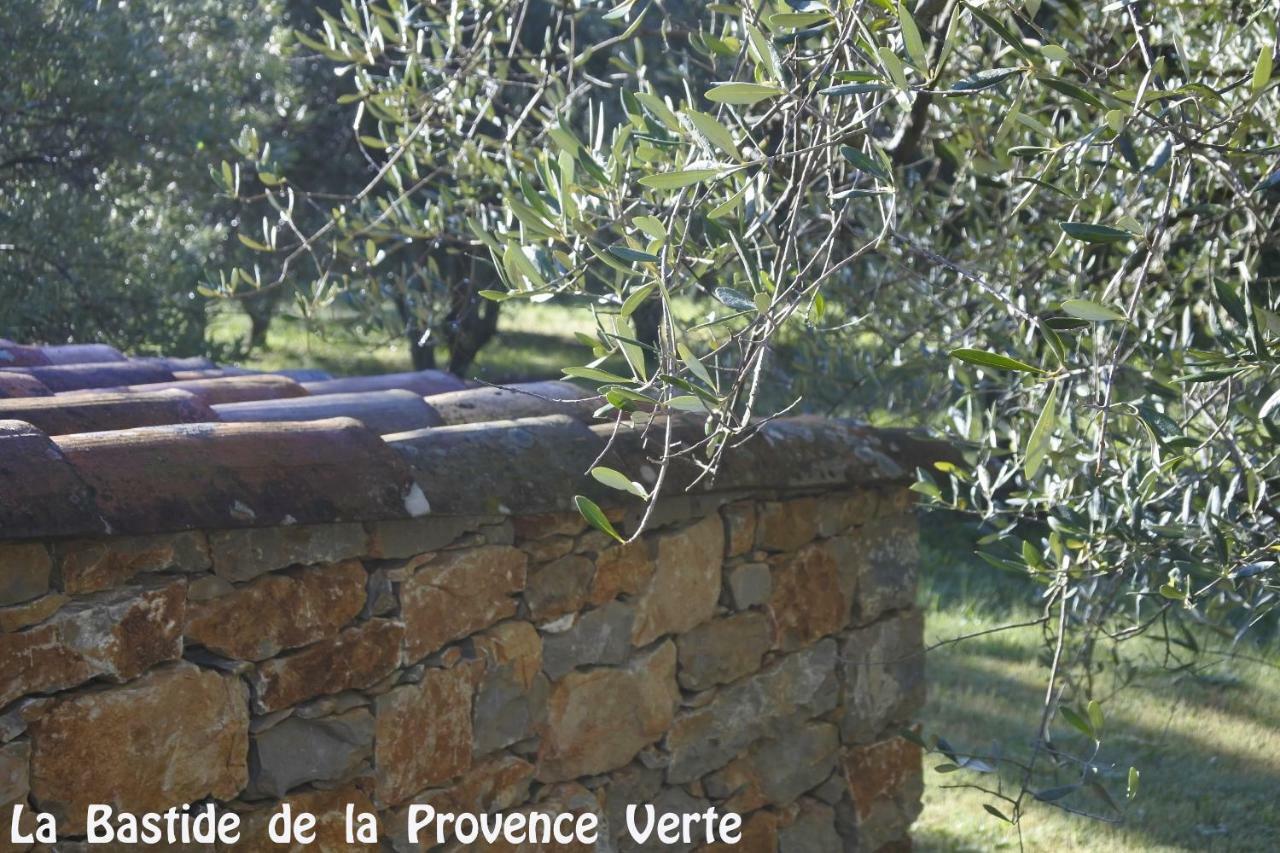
x,y
252,589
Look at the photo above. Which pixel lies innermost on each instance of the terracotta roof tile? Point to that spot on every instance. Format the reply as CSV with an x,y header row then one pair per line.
x,y
148,445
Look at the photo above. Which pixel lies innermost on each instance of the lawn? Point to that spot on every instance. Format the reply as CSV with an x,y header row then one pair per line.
x,y
1206,739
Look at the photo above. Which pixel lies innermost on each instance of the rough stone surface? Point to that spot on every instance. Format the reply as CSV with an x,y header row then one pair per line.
x,y
598,720
512,694
538,525
31,612
777,771
358,657
116,635
15,760
740,528
299,750
887,578
241,555
423,733
409,537
840,513
24,572
279,611
759,835
813,830
495,784
749,584
173,736
797,686
549,548
787,525
90,565
686,584
811,596
458,593
723,650
559,587
883,673
599,636
622,570
885,783
329,808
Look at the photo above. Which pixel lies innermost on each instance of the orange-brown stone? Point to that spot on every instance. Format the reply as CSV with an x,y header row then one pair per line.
x,y
599,719
459,593
810,599
684,589
95,564
329,809
279,611
116,635
787,525
622,570
358,657
759,835
422,737
173,736
879,771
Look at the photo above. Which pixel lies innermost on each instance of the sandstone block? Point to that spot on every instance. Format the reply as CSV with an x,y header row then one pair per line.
x,y
299,750
750,585
173,736
776,771
883,671
279,611
559,587
495,784
812,830
839,514
423,732
723,650
548,524
685,587
15,761
90,565
547,549
598,720
31,612
458,593
759,835
392,540
241,555
357,658
813,592
599,636
329,808
511,697
886,781
887,579
116,635
740,528
798,686
622,570
24,572
787,525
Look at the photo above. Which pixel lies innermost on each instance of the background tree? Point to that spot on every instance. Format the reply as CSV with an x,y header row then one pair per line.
x,y
1045,229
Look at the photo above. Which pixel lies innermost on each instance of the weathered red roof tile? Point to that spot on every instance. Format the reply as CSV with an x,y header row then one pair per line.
x,y
77,377
424,382
105,410
522,400
42,494
241,475
380,411
21,385
81,353
229,389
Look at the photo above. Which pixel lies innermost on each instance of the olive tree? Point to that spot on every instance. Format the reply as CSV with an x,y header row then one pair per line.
x,y
1046,230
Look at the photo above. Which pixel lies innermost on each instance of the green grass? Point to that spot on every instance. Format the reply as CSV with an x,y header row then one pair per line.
x,y
1207,740
533,342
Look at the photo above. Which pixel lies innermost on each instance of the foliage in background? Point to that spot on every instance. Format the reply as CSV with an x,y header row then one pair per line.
x,y
108,116
1046,228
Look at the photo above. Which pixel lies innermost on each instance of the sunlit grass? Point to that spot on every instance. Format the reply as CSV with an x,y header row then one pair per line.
x,y
1206,740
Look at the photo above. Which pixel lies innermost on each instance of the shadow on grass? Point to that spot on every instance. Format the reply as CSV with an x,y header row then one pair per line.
x,y
1208,745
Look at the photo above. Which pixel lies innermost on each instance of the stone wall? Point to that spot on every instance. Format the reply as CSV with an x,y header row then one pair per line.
x,y
308,612
757,653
